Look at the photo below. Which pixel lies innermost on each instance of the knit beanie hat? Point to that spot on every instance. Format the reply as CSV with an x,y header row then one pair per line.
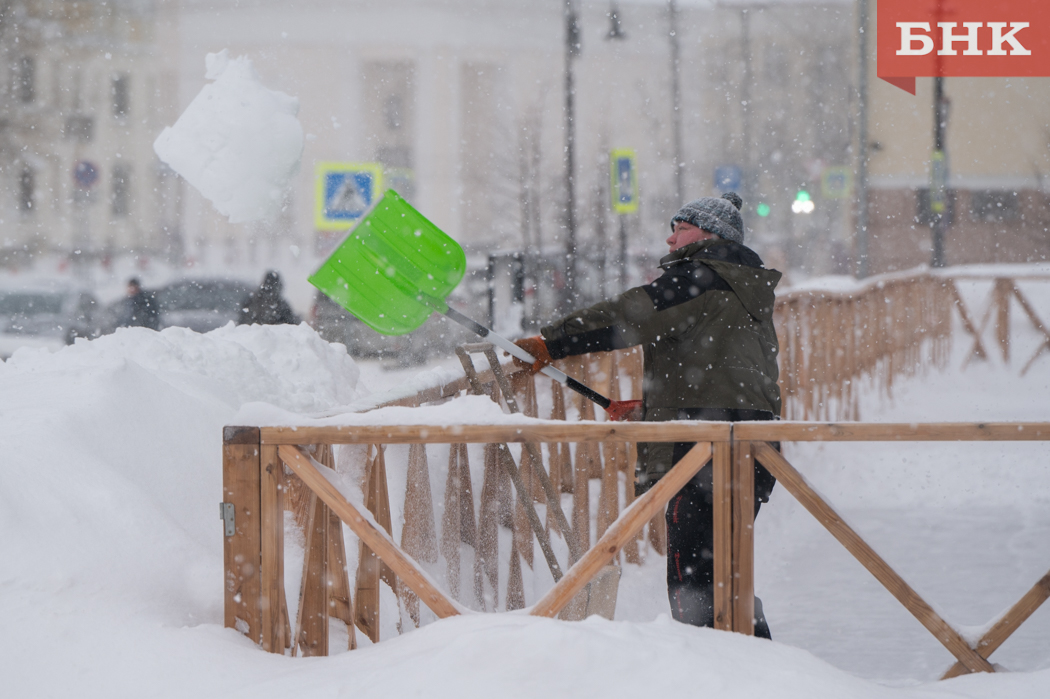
x,y
719,216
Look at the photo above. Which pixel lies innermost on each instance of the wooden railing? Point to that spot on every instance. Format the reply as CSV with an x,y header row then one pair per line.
x,y
262,466
832,343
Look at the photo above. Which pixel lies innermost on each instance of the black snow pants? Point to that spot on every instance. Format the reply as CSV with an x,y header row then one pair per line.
x,y
690,531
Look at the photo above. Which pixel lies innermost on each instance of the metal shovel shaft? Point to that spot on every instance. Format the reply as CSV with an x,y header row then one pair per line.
x,y
517,352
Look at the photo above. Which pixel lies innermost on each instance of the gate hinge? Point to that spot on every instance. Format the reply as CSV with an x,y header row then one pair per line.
x,y
226,514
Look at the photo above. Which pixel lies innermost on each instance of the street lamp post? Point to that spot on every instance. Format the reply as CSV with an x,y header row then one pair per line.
x,y
572,50
939,175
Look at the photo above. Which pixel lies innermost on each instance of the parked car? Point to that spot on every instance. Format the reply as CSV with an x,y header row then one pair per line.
x,y
197,304
201,304
45,315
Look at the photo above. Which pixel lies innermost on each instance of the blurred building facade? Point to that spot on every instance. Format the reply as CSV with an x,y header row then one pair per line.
x,y
463,101
997,135
80,102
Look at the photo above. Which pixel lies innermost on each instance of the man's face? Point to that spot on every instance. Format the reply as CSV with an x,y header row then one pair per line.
x,y
133,289
685,234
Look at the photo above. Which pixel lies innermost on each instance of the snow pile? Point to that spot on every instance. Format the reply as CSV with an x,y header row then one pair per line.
x,y
109,483
239,143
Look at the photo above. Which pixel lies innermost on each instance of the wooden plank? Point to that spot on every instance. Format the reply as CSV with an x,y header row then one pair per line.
x,y
312,628
742,567
1001,293
621,531
340,601
679,431
792,481
581,500
784,431
1007,624
722,484
366,581
538,431
242,551
378,540
271,572
978,348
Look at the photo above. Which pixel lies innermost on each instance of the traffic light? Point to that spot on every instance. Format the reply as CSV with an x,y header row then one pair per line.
x,y
762,209
803,203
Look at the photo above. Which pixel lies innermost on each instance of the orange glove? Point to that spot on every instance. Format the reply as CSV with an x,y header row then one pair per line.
x,y
624,411
538,349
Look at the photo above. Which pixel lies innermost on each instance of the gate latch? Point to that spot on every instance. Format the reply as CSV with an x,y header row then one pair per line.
x,y
226,514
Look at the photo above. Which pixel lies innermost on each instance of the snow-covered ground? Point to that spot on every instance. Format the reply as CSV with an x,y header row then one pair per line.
x,y
111,548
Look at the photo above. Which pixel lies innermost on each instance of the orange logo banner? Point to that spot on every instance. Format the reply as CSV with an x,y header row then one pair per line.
x,y
962,38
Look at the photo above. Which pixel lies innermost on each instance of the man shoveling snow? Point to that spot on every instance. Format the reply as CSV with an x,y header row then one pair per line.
x,y
706,330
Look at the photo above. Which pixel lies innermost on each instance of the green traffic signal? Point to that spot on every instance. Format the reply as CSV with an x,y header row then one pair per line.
x,y
802,195
762,209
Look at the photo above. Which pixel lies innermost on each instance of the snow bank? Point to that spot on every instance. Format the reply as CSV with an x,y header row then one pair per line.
x,y
238,142
109,484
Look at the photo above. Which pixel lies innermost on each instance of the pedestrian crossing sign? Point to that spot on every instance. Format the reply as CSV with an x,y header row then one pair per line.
x,y
344,192
624,181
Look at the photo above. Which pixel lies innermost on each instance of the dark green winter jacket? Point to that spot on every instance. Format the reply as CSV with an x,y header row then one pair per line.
x,y
706,330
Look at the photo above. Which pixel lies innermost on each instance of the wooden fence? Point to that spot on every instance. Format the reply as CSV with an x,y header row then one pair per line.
x,y
832,342
262,466
891,327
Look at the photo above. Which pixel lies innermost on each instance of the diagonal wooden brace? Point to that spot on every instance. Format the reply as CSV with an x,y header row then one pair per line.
x,y
374,537
1007,624
621,531
978,347
794,483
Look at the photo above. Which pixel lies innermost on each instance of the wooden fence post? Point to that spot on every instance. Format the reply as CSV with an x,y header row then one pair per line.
x,y
743,566
272,606
242,549
1001,294
722,490
311,627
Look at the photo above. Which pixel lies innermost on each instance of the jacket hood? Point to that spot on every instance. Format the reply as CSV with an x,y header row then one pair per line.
x,y
739,266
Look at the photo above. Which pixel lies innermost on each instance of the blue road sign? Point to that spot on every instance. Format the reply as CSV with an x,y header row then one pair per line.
x,y
624,182
344,192
85,173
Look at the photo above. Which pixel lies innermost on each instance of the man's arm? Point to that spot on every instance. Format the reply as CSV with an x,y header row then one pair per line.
x,y
614,324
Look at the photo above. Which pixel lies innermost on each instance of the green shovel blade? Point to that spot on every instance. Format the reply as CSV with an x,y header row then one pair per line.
x,y
390,264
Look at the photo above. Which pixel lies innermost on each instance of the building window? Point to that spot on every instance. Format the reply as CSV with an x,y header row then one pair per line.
x,y
25,79
121,95
121,199
26,190
80,127
994,206
392,112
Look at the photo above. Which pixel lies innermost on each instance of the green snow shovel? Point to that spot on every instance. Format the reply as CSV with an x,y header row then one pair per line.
x,y
395,268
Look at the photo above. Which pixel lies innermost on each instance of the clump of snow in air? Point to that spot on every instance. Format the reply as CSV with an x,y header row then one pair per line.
x,y
238,142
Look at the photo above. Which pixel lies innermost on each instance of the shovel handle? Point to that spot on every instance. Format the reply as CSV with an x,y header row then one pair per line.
x,y
517,352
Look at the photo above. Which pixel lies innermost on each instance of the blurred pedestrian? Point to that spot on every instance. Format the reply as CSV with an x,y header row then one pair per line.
x,y
265,306
140,308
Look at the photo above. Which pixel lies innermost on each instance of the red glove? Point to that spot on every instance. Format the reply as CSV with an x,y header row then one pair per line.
x,y
538,349
624,411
